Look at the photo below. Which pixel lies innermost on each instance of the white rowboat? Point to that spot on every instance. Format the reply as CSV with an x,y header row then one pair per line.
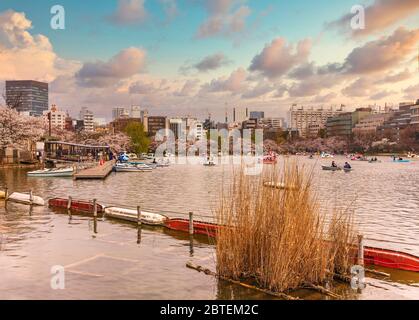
x,y
25,198
62,172
123,167
148,218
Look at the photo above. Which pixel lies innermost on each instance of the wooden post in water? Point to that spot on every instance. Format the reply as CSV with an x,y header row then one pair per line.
x,y
31,197
360,250
69,203
94,215
139,224
191,231
6,194
94,208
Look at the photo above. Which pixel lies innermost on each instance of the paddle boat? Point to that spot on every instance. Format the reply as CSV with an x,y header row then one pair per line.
x,y
210,163
400,160
55,172
148,218
26,198
330,168
326,155
270,158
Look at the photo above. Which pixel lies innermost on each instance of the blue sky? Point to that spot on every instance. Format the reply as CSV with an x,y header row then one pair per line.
x,y
89,36
170,42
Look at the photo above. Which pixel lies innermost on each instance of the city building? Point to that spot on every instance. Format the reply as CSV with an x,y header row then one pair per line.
x,y
414,110
301,118
400,120
257,115
69,123
27,96
156,123
240,114
343,123
314,129
272,123
119,112
176,125
371,123
250,124
88,119
209,124
199,130
120,124
78,125
136,112
58,117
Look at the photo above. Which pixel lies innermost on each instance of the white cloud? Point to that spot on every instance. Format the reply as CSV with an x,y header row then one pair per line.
x,y
129,12
125,64
278,57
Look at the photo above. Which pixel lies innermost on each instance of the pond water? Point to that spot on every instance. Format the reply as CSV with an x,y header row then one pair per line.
x,y
114,264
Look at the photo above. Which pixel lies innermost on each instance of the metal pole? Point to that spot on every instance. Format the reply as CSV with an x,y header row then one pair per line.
x,y
360,250
191,231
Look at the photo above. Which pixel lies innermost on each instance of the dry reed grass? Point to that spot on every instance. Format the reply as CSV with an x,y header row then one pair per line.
x,y
280,239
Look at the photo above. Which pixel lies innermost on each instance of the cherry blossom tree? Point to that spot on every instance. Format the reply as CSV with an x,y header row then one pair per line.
x,y
16,130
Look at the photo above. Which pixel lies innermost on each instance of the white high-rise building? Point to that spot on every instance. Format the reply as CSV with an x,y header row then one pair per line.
x,y
240,114
136,112
57,117
301,119
88,119
274,123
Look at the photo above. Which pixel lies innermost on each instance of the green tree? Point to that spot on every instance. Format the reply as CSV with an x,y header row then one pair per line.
x,y
140,141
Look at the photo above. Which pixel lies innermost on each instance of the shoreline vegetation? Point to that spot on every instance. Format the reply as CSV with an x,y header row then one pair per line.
x,y
279,240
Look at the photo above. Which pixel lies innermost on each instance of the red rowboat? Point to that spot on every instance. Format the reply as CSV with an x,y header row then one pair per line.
x,y
391,259
204,228
76,205
372,256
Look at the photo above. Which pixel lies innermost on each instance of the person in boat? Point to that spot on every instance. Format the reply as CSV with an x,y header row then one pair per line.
x,y
334,165
347,166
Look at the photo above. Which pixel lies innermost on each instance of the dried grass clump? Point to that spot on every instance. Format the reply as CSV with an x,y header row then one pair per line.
x,y
279,239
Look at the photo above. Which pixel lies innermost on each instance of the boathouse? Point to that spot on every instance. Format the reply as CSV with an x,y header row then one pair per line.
x,y
58,150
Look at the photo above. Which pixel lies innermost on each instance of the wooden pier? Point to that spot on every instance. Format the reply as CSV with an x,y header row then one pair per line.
x,y
98,172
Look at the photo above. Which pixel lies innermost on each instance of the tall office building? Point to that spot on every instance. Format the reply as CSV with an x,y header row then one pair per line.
x,y
119,112
27,96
